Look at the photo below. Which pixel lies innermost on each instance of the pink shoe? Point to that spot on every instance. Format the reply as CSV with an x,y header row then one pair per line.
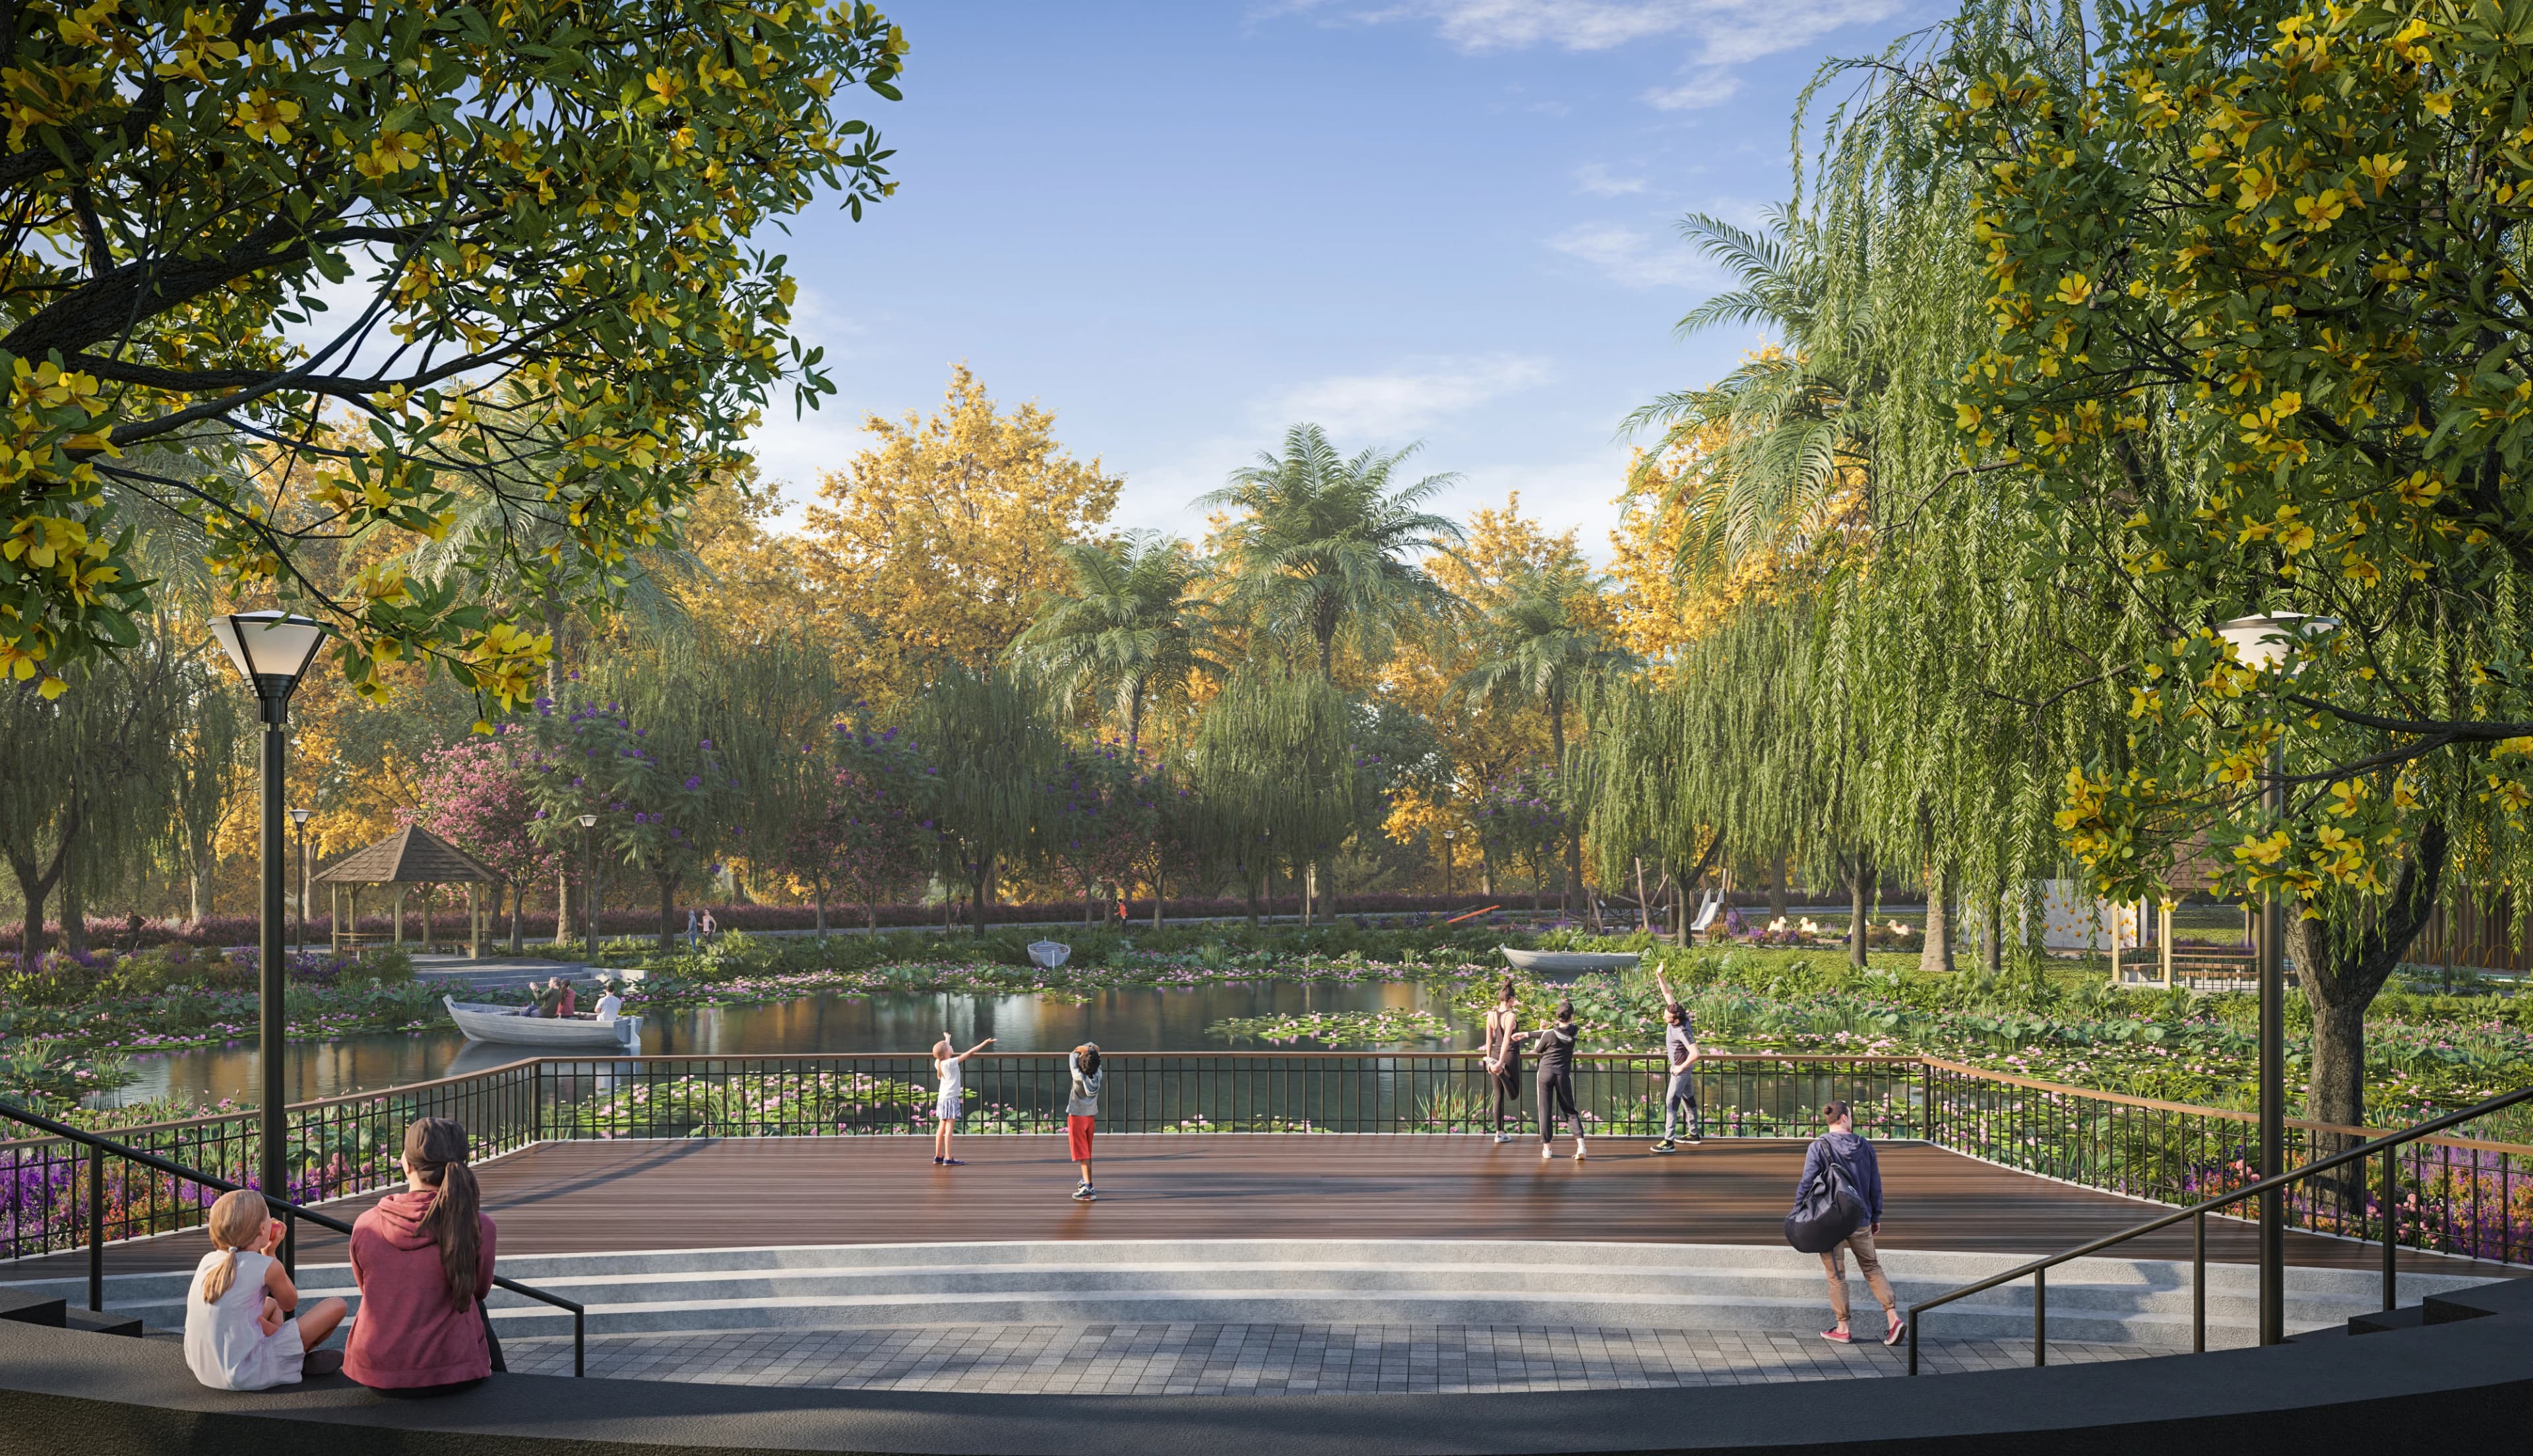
x,y
1838,1337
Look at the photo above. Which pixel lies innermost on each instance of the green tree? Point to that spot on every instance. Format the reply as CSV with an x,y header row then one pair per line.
x,y
542,213
993,742
1544,634
2260,344
1321,547
1132,626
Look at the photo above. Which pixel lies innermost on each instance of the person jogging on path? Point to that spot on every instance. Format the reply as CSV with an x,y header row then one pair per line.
x,y
1557,1081
951,1069
1679,1051
1502,1059
1853,1158
1081,1114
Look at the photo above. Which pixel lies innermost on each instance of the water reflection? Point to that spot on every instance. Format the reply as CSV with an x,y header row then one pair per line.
x,y
1134,1019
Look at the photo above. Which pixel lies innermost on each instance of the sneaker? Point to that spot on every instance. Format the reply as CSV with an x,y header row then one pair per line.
x,y
936,1160
1694,1139
322,1362
1578,1149
1898,1331
1503,1138
953,1162
1545,1152
1085,1195
1838,1337
1665,1146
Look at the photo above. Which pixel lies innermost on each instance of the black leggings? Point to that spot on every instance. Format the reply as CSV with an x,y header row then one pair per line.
x,y
1557,1090
1507,1095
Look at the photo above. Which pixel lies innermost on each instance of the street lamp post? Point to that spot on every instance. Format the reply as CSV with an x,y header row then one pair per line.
x,y
271,650
2264,643
588,890
1449,835
299,821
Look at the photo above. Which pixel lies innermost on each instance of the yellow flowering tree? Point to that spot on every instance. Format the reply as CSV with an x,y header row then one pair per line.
x,y
2260,344
371,256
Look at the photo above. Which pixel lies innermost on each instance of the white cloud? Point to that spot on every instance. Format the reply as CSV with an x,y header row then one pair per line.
x,y
1404,400
1632,257
1596,178
1580,494
1719,32
1704,88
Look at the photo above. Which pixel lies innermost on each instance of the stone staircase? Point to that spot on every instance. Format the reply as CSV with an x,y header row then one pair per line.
x,y
1701,1287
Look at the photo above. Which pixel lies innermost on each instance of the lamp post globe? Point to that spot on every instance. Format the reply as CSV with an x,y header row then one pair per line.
x,y
271,651
2266,644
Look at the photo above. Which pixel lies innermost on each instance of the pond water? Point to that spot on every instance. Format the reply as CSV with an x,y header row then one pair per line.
x,y
1130,1019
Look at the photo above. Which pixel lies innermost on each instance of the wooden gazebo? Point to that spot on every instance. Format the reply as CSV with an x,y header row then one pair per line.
x,y
408,857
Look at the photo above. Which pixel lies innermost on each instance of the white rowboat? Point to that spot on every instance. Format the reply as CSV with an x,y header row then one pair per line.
x,y
1569,963
504,1025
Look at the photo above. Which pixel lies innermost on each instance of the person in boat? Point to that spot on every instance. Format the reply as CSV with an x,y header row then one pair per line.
x,y
548,999
610,1004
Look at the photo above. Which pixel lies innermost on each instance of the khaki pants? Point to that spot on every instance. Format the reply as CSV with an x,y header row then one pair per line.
x,y
1835,1265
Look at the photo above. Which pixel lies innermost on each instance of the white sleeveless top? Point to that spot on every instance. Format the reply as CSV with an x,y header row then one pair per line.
x,y
225,1345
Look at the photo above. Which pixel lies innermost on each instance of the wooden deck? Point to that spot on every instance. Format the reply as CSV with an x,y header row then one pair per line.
x,y
693,1193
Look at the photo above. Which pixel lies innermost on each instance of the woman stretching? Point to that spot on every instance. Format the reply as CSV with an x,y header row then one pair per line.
x,y
950,1068
1557,1081
1502,1059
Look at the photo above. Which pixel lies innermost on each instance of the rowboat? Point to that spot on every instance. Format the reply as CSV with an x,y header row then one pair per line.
x,y
504,1025
1556,964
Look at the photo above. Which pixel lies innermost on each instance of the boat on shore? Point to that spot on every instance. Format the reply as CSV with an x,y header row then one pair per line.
x,y
504,1026
1559,965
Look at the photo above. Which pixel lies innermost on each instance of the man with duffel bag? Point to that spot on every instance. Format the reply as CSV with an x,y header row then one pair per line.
x,y
1838,1206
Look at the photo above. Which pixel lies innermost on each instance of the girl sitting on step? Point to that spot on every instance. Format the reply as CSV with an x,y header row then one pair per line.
x,y
240,1333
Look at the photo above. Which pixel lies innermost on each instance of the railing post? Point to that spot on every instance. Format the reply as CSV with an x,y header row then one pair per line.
x,y
97,1228
1912,1342
2198,1284
2392,1224
580,1343
2040,1317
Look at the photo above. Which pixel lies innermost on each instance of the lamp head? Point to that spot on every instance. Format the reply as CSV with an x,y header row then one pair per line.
x,y
2263,642
588,821
300,817
271,651
1451,834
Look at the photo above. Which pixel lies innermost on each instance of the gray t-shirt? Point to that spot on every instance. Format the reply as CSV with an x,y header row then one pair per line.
x,y
1677,1041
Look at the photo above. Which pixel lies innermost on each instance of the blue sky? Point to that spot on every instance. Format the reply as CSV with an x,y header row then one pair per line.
x,y
1183,226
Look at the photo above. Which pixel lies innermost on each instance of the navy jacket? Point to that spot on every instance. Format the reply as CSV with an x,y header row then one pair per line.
x,y
1854,1158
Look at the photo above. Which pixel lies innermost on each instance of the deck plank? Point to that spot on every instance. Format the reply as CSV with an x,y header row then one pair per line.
x,y
693,1193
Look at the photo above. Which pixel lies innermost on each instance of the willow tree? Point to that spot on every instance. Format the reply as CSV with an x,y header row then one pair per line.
x,y
2259,342
992,740
84,769
1275,773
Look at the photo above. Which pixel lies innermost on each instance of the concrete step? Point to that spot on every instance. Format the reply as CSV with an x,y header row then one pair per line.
x,y
1742,1287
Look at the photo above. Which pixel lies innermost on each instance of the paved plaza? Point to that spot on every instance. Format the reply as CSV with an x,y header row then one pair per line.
x,y
1260,1358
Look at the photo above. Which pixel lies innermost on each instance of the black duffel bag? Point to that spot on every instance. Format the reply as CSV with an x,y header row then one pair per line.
x,y
1826,1212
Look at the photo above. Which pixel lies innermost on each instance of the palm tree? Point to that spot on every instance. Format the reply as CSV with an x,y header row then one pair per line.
x,y
1132,625
1529,643
1780,461
1323,541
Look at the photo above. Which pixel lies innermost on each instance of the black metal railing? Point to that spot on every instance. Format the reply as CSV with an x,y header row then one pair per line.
x,y
1407,1093
2333,1180
100,1148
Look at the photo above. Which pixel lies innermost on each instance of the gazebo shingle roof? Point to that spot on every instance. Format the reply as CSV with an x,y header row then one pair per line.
x,y
412,855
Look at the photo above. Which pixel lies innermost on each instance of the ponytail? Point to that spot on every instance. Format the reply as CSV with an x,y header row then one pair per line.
x,y
436,1147
237,1222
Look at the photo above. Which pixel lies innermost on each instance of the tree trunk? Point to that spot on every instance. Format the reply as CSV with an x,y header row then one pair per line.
x,y
1158,899
518,942
818,889
202,884
562,902
1573,835
983,883
1860,881
74,916
2340,970
1939,952
1644,907
34,890
1250,883
1777,886
667,909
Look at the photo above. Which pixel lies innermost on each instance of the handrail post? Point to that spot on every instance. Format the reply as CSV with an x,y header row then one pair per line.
x,y
2392,1229
2198,1284
96,1229
579,1342
2040,1317
1912,1342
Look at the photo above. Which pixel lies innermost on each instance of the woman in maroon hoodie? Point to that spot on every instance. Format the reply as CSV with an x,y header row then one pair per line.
x,y
424,1261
